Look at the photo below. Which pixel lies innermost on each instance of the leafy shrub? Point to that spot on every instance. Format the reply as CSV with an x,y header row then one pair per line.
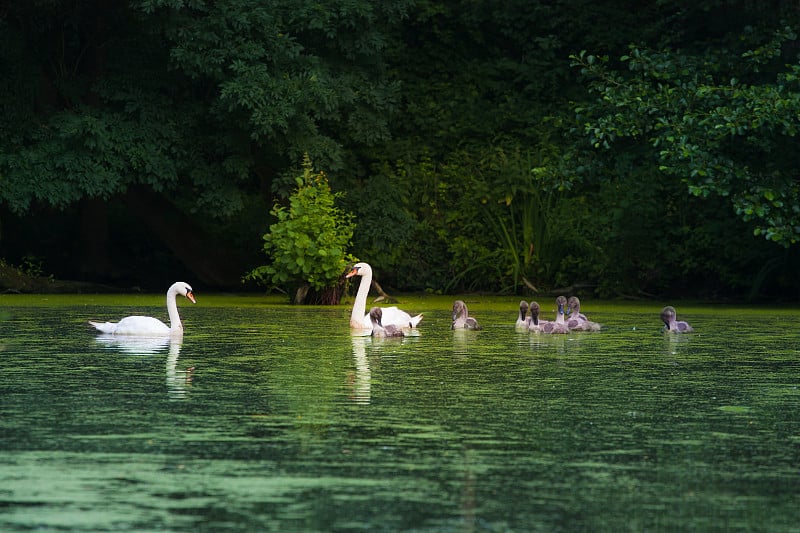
x,y
308,243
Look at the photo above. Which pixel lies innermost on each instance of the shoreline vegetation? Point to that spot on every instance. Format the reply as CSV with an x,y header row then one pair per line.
x,y
459,147
15,281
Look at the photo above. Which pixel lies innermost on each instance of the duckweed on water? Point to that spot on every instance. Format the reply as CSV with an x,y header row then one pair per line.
x,y
267,416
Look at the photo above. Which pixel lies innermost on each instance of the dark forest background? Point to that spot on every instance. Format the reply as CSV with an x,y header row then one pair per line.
x,y
619,148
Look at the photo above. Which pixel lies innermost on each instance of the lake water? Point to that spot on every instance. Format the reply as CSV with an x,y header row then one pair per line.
x,y
269,417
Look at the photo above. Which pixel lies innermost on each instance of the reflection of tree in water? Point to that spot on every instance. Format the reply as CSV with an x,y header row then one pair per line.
x,y
468,489
4,315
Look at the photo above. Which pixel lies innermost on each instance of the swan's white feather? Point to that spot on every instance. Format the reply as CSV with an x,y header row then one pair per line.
x,y
134,325
149,326
391,315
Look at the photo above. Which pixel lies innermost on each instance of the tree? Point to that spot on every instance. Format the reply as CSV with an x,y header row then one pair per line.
x,y
164,128
308,244
723,123
204,104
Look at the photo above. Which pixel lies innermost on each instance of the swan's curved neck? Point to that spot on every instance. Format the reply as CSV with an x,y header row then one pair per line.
x,y
172,309
360,305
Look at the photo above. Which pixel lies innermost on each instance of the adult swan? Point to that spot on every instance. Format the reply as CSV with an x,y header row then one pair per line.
x,y
149,326
391,316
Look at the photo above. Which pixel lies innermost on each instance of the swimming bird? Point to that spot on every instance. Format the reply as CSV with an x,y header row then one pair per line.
x,y
149,326
668,317
559,326
533,321
359,319
379,330
523,320
461,318
577,321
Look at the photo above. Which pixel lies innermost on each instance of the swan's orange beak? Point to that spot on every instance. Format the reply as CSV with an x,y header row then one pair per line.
x,y
190,295
352,273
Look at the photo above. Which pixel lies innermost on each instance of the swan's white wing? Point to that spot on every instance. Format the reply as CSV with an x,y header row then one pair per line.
x,y
104,327
392,316
134,325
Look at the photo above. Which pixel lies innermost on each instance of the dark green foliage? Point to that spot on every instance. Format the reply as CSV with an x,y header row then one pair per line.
x,y
99,111
385,222
165,93
484,221
299,77
714,122
475,155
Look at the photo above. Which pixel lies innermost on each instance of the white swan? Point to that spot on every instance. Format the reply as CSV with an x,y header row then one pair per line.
x,y
145,325
359,318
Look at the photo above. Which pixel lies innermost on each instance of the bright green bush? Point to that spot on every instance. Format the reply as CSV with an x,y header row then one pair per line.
x,y
309,242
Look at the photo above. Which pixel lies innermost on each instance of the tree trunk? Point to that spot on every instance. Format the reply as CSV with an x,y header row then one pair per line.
x,y
93,241
212,262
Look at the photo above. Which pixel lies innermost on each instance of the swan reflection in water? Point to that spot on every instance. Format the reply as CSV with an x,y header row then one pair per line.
x,y
361,382
558,343
463,339
177,380
364,345
676,344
